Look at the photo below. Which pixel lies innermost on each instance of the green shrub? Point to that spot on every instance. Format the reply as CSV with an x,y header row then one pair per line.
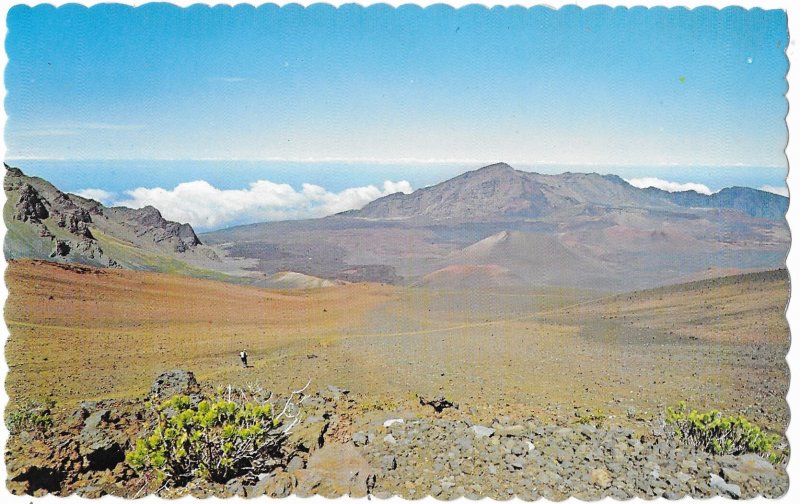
x,y
714,433
214,440
31,416
596,418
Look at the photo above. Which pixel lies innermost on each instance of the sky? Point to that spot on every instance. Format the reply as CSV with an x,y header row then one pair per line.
x,y
405,88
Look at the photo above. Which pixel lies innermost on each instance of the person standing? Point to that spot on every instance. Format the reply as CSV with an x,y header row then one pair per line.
x,y
243,356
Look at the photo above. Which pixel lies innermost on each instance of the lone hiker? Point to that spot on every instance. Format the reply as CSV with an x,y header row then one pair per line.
x,y
243,356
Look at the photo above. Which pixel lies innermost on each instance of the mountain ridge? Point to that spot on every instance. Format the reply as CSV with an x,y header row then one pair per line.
x,y
494,226
46,223
499,190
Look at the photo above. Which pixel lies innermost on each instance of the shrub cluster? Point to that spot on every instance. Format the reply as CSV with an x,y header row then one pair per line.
x,y
596,418
714,433
214,440
31,416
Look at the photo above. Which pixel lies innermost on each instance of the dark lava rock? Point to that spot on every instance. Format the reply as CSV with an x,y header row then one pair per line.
x,y
438,403
175,382
30,206
62,249
100,443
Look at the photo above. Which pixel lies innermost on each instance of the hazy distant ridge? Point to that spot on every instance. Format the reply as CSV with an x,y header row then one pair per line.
x,y
498,190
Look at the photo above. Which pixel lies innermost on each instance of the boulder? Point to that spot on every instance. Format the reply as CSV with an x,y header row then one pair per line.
x,y
335,470
600,477
753,465
100,443
174,382
309,435
724,487
480,431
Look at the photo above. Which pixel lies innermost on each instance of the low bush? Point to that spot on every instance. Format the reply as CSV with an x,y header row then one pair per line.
x,y
216,439
721,435
596,418
31,416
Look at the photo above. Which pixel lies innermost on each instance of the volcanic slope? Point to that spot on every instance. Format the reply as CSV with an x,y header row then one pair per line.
x,y
494,226
573,229
44,223
80,333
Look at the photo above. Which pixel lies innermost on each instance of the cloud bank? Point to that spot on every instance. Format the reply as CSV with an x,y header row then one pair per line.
x,y
666,185
207,207
100,195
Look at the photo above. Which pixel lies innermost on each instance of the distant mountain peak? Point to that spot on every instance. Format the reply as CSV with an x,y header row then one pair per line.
x,y
499,191
497,167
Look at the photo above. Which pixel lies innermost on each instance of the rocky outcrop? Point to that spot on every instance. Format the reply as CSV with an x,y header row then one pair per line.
x,y
30,207
100,442
148,225
64,223
174,382
347,450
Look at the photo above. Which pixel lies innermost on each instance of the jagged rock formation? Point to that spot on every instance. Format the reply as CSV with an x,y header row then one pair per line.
x,y
30,206
46,223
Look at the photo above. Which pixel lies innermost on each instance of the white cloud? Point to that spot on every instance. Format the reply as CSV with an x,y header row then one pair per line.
x,y
96,194
782,190
207,207
666,185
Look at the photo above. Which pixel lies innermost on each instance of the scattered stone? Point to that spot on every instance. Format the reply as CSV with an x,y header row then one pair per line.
x,y
389,463
236,487
101,444
514,462
600,477
310,434
261,486
393,421
482,431
360,439
733,475
752,465
280,484
295,463
725,488
511,430
338,391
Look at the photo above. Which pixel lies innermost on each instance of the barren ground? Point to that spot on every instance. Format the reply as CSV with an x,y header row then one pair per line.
x,y
80,333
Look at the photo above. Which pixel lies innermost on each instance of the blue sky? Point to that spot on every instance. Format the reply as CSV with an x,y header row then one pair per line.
x,y
600,86
384,88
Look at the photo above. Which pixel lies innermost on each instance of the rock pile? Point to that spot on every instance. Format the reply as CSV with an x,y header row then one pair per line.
x,y
341,448
452,458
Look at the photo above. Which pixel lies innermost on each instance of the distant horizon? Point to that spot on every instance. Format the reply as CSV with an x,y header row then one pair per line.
x,y
212,195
